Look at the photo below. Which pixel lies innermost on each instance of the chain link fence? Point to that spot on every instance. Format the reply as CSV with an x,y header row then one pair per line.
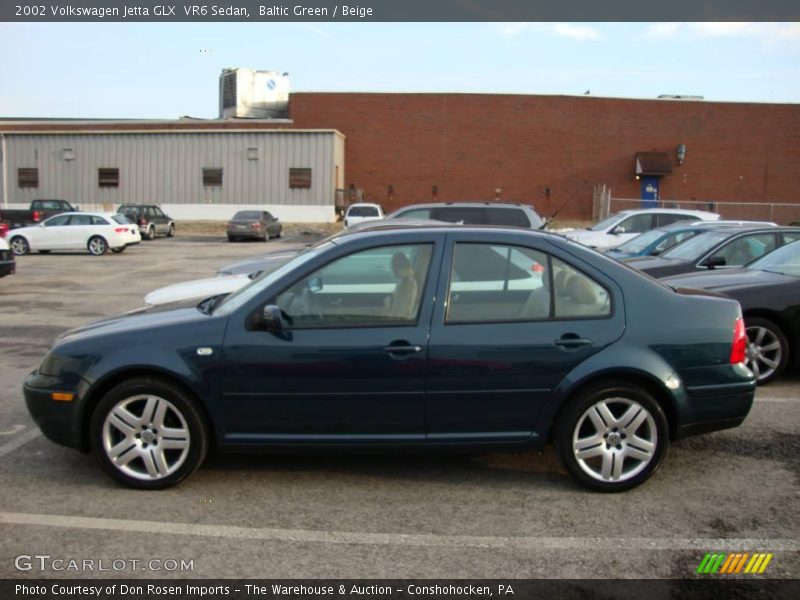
x,y
780,213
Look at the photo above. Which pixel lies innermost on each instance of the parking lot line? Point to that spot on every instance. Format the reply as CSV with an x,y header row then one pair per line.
x,y
777,399
12,445
397,539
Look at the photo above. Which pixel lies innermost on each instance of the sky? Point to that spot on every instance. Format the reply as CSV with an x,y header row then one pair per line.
x,y
165,70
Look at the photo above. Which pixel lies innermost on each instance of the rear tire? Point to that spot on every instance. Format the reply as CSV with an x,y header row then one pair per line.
x,y
171,230
97,246
767,349
612,436
148,433
19,245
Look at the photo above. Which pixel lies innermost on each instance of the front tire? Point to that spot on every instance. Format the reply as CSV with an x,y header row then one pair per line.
x,y
148,433
612,436
97,246
171,230
151,233
19,246
767,349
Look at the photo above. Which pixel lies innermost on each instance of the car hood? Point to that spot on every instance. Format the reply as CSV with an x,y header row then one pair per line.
x,y
198,289
269,261
140,320
722,279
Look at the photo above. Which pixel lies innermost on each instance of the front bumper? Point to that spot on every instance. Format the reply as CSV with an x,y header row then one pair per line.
x,y
59,421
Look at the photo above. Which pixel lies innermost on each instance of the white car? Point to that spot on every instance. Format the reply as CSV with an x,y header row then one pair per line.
x,y
627,224
198,289
358,213
93,232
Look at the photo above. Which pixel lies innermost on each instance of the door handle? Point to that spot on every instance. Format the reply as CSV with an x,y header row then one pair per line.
x,y
404,349
571,341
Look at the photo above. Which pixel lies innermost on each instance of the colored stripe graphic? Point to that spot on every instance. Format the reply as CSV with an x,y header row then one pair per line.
x,y
730,564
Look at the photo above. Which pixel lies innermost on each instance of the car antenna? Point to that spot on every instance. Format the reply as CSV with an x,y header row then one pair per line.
x,y
568,200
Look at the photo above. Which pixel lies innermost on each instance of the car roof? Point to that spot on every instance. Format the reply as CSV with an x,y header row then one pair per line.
x,y
465,204
84,212
370,204
668,211
436,226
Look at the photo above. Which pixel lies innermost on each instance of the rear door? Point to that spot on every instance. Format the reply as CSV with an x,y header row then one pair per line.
x,y
79,231
52,235
516,318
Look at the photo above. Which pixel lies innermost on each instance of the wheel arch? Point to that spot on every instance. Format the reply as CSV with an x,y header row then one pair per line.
x,y
103,386
647,382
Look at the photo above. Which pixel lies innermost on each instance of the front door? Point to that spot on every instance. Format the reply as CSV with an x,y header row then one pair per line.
x,y
515,322
649,191
349,360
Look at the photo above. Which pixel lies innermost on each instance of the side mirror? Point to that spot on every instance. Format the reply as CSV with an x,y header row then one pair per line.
x,y
656,251
271,318
713,262
315,284
618,229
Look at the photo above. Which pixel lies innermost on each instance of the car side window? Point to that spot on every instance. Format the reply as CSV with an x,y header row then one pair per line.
x,y
379,287
493,283
157,212
148,212
469,215
745,249
576,295
790,236
99,221
669,219
80,220
637,223
57,221
672,240
417,213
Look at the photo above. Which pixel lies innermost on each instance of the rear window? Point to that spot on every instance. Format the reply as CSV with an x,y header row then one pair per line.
x,y
363,211
509,217
467,215
247,214
121,219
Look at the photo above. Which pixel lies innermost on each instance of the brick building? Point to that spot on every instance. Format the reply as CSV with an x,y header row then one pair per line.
x,y
549,150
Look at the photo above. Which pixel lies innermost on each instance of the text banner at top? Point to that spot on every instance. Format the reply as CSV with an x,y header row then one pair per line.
x,y
399,10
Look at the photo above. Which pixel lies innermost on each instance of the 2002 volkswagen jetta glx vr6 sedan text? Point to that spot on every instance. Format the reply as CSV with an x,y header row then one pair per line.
x,y
442,337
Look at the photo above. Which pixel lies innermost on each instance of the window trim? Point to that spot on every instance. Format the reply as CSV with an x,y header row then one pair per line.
x,y
552,318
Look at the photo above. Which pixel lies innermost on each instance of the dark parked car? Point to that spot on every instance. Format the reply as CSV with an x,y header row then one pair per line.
x,y
8,264
769,293
253,224
507,214
38,212
152,221
442,338
720,247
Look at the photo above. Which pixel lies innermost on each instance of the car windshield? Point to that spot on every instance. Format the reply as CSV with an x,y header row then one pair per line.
x,y
254,288
363,211
640,242
606,223
784,260
244,215
697,246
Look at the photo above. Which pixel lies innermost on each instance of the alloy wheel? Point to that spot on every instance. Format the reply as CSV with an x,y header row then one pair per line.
x,y
97,246
19,246
146,437
614,440
764,352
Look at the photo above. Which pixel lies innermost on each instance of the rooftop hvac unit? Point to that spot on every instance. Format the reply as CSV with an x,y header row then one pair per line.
x,y
251,94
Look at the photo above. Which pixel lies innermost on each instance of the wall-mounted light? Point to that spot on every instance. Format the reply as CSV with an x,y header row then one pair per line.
x,y
680,152
435,191
497,192
68,154
547,191
390,191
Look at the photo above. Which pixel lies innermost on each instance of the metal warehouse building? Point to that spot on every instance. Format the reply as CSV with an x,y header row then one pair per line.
x,y
193,169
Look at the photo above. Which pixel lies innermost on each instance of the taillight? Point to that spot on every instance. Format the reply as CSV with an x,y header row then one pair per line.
x,y
121,229
257,225
36,216
142,221
739,348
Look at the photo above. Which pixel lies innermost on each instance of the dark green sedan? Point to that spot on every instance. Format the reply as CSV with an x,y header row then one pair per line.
x,y
439,338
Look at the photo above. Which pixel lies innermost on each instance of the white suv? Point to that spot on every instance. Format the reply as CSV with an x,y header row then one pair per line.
x,y
627,224
358,213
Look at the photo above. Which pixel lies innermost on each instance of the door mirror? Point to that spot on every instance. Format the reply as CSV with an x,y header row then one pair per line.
x,y
618,229
315,284
656,251
271,318
713,262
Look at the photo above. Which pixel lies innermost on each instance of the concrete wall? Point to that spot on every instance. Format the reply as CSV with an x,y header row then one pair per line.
x,y
470,144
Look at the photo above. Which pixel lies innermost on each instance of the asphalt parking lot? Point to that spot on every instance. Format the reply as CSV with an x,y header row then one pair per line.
x,y
485,516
